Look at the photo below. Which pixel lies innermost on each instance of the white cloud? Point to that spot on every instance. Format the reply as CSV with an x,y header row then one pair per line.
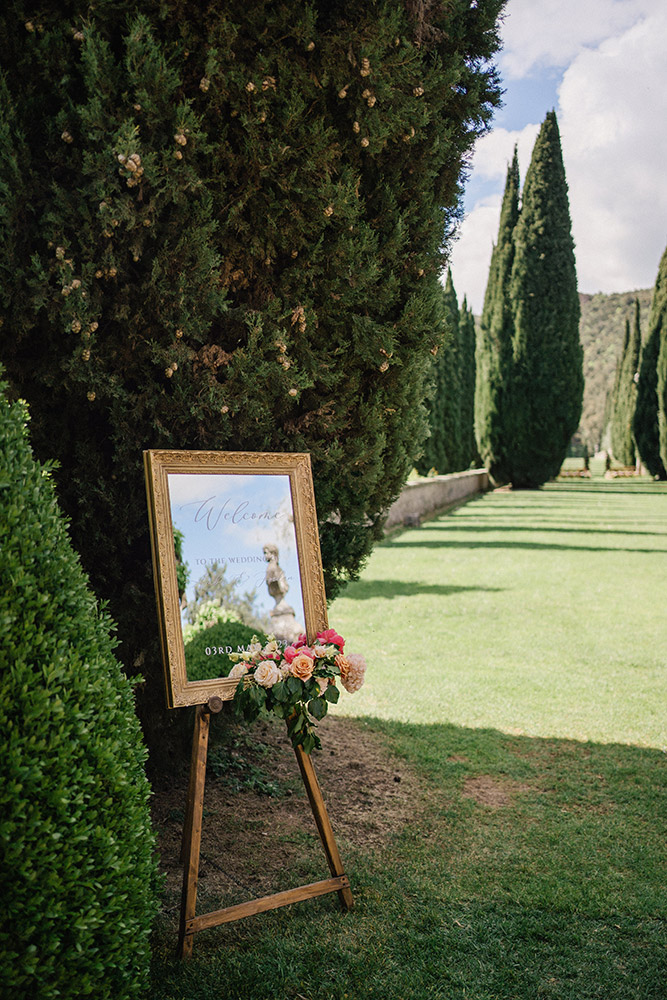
x,y
612,109
613,103
539,33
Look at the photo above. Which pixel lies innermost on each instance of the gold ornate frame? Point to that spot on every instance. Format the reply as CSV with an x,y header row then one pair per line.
x,y
158,466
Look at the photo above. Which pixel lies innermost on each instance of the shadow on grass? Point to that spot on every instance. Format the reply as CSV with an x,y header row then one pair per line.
x,y
411,539
478,528
531,868
365,590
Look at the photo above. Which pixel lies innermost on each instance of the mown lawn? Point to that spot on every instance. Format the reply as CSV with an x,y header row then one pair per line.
x,y
516,663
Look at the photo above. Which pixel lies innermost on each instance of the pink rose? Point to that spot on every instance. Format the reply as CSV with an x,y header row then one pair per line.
x,y
331,636
302,667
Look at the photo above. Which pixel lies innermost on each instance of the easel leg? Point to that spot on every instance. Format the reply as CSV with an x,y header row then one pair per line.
x,y
323,823
192,829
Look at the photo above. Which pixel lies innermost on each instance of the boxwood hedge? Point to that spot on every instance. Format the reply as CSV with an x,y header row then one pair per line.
x,y
78,876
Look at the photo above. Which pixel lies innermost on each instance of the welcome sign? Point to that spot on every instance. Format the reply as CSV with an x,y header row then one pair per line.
x,y
241,522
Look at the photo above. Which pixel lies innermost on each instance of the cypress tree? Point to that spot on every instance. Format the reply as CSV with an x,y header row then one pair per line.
x,y
452,387
645,424
467,335
222,228
625,394
612,397
444,448
434,454
546,386
494,339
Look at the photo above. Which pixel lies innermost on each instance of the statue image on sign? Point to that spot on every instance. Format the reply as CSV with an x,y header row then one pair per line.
x,y
283,621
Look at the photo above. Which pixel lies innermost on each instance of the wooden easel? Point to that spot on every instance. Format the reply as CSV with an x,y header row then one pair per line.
x,y
192,828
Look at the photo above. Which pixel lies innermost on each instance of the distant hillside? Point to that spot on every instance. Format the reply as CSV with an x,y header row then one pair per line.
x,y
601,330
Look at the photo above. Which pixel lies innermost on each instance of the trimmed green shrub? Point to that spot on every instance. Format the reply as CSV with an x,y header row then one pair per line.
x,y
78,875
222,227
217,639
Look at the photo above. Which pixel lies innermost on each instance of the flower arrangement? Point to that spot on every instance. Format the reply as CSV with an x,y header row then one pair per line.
x,y
297,683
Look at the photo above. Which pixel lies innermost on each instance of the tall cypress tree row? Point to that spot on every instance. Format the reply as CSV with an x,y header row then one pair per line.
x,y
222,228
546,385
452,389
435,453
440,448
625,394
494,339
467,335
448,446
645,422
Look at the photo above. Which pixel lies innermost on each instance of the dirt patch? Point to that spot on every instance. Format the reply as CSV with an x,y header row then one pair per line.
x,y
488,791
250,839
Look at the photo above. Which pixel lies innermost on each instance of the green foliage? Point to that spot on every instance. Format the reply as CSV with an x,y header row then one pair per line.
x,y
207,651
494,340
78,873
649,423
214,586
624,398
531,406
602,316
223,229
182,568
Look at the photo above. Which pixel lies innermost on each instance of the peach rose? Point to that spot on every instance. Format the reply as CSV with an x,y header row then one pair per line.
x,y
343,665
267,673
238,670
355,673
302,667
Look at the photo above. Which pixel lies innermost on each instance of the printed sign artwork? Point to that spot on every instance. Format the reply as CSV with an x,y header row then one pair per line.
x,y
237,563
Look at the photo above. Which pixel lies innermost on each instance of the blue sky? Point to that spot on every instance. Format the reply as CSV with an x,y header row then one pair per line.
x,y
601,65
230,518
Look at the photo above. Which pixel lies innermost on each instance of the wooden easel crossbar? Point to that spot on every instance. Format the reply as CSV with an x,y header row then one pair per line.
x,y
190,924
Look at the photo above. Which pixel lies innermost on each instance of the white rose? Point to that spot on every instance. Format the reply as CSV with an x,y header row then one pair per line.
x,y
238,670
267,673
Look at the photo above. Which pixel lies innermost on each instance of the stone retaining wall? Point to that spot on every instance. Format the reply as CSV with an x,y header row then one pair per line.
x,y
427,497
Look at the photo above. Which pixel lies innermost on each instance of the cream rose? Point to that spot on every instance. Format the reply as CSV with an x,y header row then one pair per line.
x,y
238,670
271,649
267,673
302,667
